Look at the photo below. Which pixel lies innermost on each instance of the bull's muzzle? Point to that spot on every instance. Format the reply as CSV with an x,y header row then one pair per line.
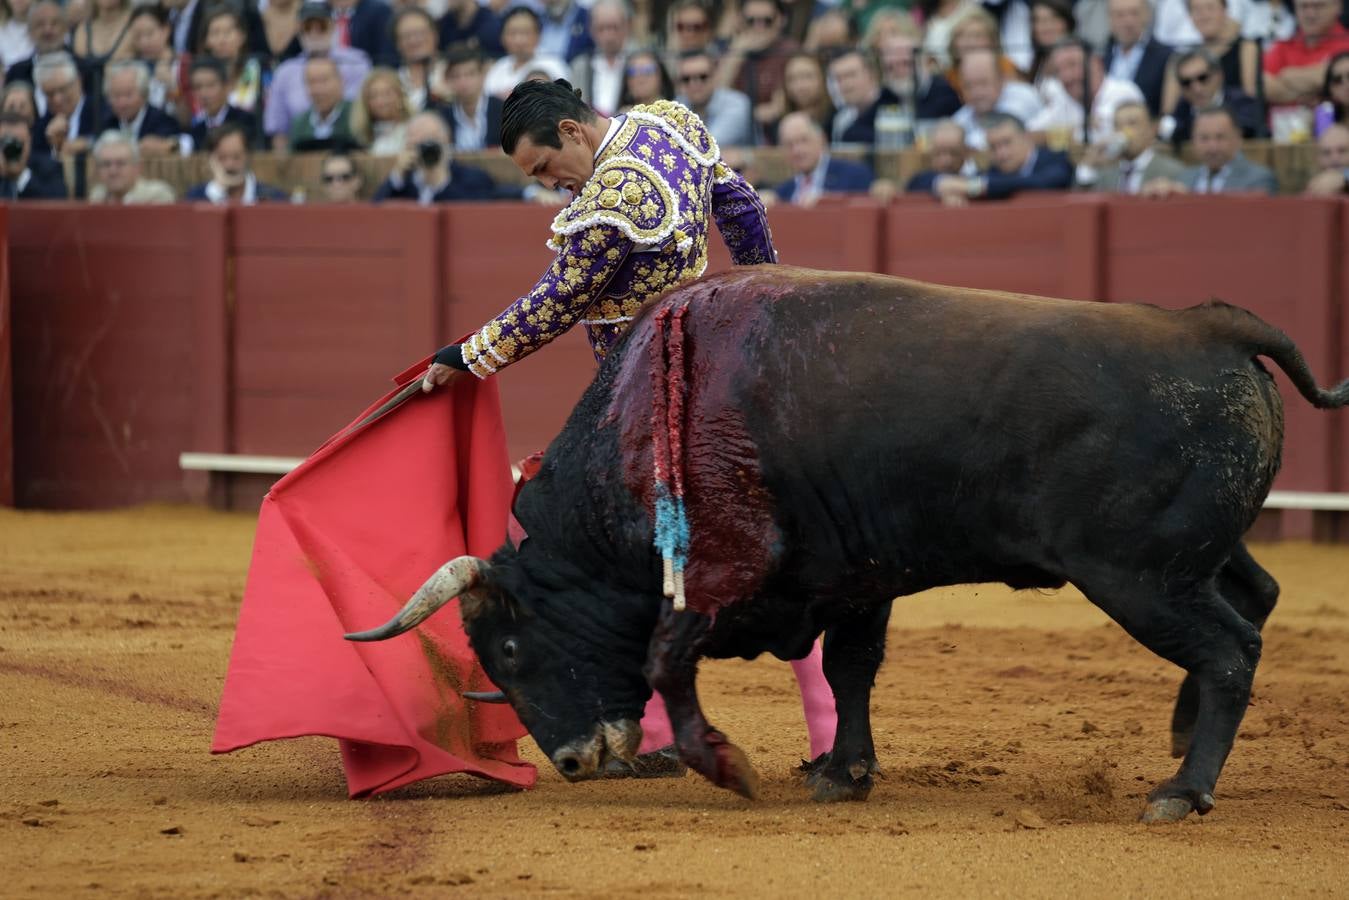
x,y
586,758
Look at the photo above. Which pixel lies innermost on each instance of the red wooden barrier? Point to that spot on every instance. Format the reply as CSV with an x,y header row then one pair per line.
x,y
329,303
1036,245
1275,257
839,236
104,350
6,372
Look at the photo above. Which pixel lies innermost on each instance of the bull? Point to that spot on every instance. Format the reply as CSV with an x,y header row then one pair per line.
x,y
850,439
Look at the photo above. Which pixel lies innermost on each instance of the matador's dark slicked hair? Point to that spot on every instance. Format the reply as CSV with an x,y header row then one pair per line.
x,y
534,110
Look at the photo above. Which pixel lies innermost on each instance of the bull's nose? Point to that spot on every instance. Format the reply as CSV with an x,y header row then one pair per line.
x,y
572,763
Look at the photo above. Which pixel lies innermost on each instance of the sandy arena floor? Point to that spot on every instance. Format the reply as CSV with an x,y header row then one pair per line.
x,y
1018,734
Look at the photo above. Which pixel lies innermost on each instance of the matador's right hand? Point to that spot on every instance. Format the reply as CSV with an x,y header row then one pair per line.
x,y
448,362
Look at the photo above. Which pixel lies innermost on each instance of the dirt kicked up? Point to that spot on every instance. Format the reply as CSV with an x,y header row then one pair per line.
x,y
1018,734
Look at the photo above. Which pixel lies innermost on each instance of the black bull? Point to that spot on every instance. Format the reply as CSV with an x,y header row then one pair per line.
x,y
853,438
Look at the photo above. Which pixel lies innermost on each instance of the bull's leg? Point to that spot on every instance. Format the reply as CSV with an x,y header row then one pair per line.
x,y
853,650
1200,632
672,669
1252,592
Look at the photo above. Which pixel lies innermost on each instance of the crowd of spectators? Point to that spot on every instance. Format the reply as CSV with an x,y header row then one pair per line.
x,y
1138,83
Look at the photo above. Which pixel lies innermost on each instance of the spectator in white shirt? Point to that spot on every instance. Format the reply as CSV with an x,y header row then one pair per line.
x,y
520,37
599,75
1074,75
986,91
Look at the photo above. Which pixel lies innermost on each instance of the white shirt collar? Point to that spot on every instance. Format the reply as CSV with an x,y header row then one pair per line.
x,y
133,128
218,193
614,124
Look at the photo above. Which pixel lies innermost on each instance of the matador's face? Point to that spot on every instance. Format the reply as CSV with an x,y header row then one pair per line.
x,y
567,167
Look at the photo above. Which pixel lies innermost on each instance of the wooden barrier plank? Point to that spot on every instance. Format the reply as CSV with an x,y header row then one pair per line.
x,y
842,235
105,362
1047,245
1340,308
328,305
1273,256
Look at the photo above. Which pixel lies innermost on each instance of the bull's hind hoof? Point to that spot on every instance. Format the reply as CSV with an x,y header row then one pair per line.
x,y
1180,743
836,783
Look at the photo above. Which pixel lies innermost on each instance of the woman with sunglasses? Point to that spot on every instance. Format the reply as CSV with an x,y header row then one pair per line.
x,y
1237,57
342,181
645,80
1334,106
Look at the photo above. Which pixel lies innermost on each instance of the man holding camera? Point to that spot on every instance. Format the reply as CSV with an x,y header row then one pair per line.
x,y
23,177
427,173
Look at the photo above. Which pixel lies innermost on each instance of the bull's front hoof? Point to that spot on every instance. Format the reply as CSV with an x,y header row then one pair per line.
x,y
1180,743
735,773
837,783
662,763
1172,803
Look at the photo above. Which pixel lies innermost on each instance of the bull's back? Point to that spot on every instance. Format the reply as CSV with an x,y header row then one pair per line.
x,y
884,413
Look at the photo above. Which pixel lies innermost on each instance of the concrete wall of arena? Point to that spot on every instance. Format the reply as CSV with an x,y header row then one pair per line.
x,y
141,333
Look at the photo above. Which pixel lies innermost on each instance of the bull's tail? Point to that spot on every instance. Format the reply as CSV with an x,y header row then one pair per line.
x,y
1263,339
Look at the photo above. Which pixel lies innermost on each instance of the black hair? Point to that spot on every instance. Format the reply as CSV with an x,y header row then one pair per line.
x,y
1223,111
522,11
1338,111
461,54
406,11
210,64
216,136
341,153
219,12
154,11
999,119
535,109
667,87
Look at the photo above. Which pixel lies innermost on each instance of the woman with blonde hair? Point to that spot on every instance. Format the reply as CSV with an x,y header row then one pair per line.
x,y
380,113
103,34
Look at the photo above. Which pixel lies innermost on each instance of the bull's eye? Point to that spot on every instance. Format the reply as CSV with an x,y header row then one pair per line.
x,y
509,649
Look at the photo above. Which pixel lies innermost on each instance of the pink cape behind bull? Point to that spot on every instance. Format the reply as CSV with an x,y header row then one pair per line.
x,y
342,542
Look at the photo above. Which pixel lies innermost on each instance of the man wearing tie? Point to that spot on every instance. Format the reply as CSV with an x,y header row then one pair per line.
x,y
1222,169
817,172
1138,163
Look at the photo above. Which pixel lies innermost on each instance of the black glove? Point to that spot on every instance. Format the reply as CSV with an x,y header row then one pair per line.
x,y
452,356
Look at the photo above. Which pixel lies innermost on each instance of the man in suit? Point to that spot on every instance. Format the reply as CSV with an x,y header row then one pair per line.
x,y
1202,87
209,88
599,73
1131,53
22,175
1017,165
1332,157
947,154
47,33
426,172
1138,162
469,25
565,31
817,173
69,125
127,86
474,118
232,178
859,88
1222,169
727,113
364,25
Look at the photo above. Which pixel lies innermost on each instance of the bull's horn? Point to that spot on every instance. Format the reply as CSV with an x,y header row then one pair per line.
x,y
486,696
456,577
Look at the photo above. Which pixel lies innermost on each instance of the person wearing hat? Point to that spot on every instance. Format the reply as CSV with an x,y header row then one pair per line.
x,y
289,98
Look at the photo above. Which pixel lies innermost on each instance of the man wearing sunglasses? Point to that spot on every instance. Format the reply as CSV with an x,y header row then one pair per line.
x,y
756,61
725,112
1202,88
342,181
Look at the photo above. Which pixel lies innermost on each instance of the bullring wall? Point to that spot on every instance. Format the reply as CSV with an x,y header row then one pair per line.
x,y
141,333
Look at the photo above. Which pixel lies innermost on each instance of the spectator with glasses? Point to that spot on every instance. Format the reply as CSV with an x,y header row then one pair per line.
x,y
644,81
690,28
756,60
725,112
1202,88
69,124
342,181
117,168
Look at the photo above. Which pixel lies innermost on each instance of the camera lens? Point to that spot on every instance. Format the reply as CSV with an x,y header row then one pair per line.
x,y
11,148
429,153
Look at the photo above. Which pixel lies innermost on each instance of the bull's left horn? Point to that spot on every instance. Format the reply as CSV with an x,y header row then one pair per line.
x,y
485,696
456,577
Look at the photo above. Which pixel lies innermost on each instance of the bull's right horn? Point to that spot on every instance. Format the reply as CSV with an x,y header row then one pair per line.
x,y
458,576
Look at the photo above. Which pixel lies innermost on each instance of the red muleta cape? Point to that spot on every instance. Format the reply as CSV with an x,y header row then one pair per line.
x,y
342,542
